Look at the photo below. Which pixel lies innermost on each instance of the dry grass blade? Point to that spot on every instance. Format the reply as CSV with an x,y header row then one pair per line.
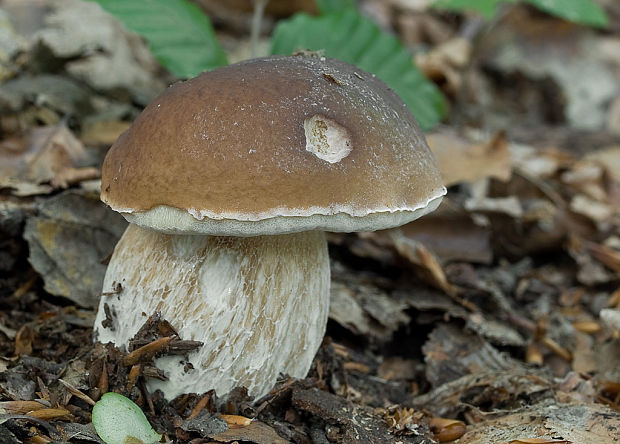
x,y
356,366
605,255
21,407
589,327
557,348
75,392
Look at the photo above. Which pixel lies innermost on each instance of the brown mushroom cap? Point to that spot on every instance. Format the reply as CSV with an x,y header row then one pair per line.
x,y
273,145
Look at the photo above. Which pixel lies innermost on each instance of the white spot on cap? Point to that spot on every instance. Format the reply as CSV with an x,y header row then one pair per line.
x,y
327,139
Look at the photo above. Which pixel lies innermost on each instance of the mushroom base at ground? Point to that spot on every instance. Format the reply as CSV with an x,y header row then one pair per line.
x,y
258,304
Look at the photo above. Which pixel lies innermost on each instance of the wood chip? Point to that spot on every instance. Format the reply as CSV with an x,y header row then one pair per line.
x,y
147,352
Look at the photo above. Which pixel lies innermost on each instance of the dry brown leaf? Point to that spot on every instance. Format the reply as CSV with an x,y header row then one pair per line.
x,y
598,263
575,423
397,368
50,150
42,439
447,429
103,133
236,421
470,243
576,388
584,355
256,432
428,266
611,318
595,210
48,413
608,256
481,202
68,176
586,177
39,158
403,420
21,407
533,354
609,393
462,161
415,27
589,327
412,5
539,163
24,340
608,158
614,299
444,62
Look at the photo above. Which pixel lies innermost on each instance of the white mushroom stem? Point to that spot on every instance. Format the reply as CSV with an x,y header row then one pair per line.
x,y
259,304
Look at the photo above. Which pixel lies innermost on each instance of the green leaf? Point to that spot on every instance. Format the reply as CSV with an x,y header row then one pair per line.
x,y
178,33
327,6
117,420
584,12
486,8
348,36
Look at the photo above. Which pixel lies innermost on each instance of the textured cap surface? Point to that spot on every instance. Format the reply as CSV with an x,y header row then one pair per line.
x,y
293,143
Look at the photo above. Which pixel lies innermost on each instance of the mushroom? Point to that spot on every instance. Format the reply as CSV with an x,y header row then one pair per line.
x,y
229,181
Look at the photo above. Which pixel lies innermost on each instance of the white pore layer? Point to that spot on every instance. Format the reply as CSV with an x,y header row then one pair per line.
x,y
278,221
259,305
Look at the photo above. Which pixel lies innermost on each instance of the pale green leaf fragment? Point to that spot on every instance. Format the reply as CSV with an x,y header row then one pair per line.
x,y
118,420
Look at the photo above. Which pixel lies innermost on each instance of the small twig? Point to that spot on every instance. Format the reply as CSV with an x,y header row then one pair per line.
x,y
257,18
147,396
134,374
557,348
199,407
55,434
543,187
23,288
147,351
